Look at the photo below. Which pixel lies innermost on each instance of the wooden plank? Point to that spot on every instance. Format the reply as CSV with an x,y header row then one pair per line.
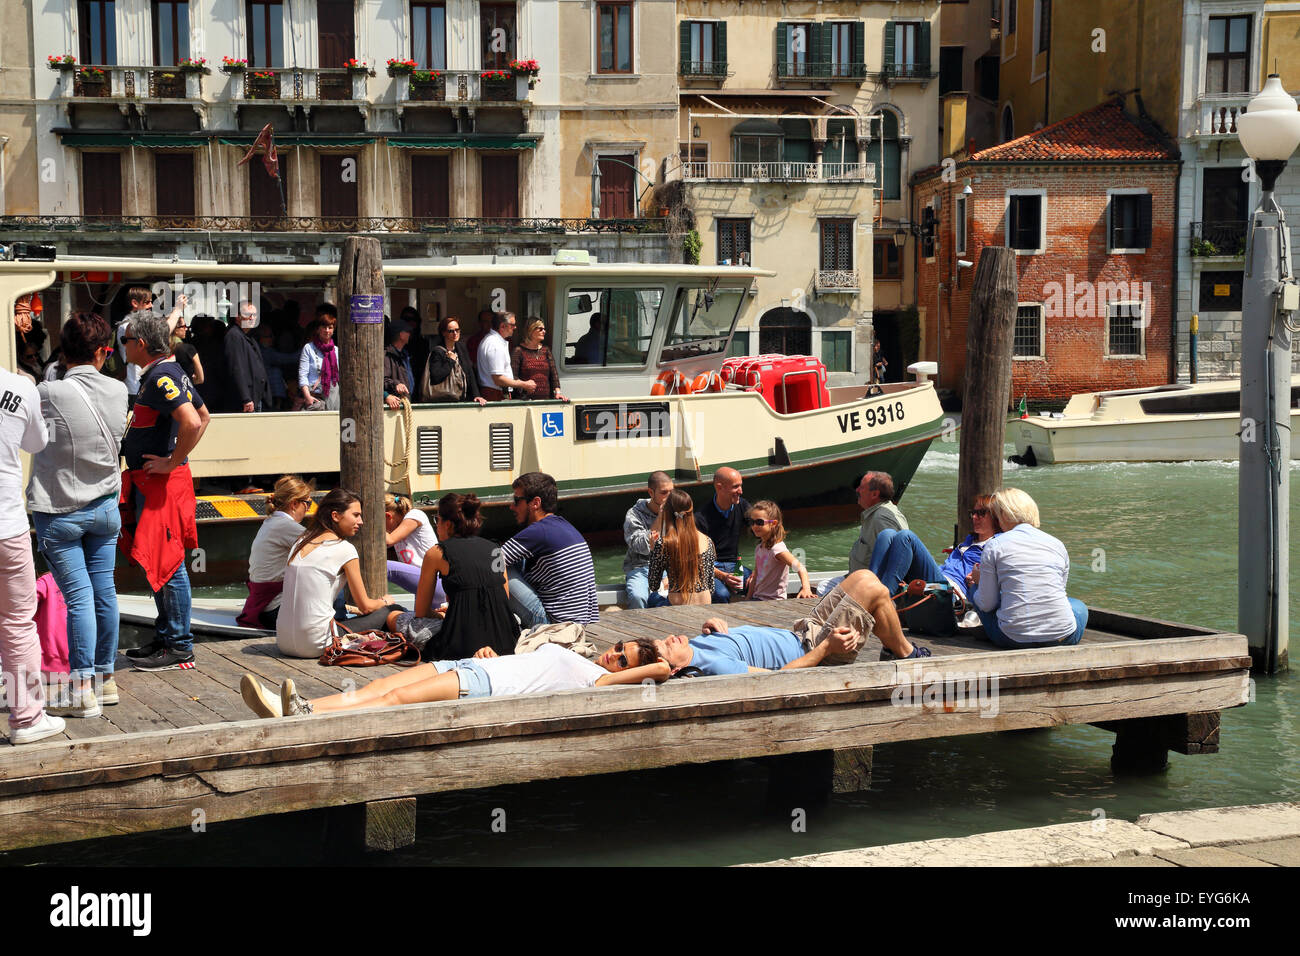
x,y
265,742
1048,664
220,700
131,714
332,780
274,670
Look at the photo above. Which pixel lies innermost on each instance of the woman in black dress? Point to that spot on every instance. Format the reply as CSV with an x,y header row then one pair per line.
x,y
476,613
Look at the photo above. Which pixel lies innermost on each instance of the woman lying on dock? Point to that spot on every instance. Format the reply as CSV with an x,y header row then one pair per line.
x,y
548,669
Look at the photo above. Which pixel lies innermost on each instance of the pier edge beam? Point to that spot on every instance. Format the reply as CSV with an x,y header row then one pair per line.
x,y
1142,745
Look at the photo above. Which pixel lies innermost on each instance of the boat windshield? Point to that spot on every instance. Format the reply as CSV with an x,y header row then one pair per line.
x,y
610,326
702,322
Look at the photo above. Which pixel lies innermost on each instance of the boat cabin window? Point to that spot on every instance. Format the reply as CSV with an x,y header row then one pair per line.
x,y
701,322
607,327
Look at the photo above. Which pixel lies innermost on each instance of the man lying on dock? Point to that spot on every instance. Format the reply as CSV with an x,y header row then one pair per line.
x,y
549,668
833,634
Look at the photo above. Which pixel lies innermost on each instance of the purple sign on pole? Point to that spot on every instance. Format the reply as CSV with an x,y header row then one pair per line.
x,y
366,309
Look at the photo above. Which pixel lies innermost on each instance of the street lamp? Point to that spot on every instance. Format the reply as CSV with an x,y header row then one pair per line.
x,y
1269,132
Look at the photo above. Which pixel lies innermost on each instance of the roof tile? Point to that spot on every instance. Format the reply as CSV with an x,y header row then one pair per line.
x,y
1105,132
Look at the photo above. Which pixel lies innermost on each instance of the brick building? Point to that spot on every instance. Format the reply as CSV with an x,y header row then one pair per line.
x,y
1089,206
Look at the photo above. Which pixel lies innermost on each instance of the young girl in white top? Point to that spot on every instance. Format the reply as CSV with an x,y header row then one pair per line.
x,y
410,534
772,559
319,564
286,506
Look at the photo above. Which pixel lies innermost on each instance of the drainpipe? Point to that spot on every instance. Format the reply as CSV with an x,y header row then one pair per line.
x,y
1173,291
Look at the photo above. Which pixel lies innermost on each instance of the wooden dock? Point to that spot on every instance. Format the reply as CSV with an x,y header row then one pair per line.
x,y
181,746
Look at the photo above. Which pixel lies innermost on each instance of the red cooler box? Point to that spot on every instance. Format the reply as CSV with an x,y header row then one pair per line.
x,y
789,383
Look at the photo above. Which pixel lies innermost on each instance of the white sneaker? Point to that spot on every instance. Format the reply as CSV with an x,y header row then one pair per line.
x,y
259,700
75,702
47,726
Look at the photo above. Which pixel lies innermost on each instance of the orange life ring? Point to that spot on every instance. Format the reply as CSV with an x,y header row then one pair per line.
x,y
707,382
670,382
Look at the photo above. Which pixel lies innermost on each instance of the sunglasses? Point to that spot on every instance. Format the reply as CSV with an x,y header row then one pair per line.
x,y
622,656
759,522
453,331
979,512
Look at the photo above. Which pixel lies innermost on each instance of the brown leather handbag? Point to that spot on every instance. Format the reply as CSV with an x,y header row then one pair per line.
x,y
371,649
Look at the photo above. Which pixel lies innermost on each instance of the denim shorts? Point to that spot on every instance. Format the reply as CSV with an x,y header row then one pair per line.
x,y
473,678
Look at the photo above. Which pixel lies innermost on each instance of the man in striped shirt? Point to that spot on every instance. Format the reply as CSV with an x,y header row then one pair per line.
x,y
552,578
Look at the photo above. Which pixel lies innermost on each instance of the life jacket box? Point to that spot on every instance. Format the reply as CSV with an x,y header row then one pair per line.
x,y
788,383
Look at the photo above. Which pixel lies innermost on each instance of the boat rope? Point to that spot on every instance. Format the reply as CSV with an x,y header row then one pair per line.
x,y
403,462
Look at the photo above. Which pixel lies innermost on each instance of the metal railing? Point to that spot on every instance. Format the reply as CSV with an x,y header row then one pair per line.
x,y
821,70
797,172
1219,112
131,82
906,71
463,86
1223,238
299,84
467,226
715,69
836,280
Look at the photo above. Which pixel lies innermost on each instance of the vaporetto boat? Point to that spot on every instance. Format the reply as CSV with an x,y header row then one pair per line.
x,y
599,445
1179,422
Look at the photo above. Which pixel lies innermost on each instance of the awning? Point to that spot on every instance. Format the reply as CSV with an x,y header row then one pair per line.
x,y
132,138
299,139
471,141
757,127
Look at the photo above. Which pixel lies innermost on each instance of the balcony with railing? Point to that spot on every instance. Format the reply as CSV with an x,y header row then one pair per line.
x,y
1225,239
1217,113
836,280
94,82
779,172
702,69
296,84
468,227
462,86
820,70
895,72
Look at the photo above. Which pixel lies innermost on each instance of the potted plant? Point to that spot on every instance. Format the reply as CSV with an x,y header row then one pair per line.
x,y
193,65
92,81
231,65
398,67
498,85
263,85
526,68
427,85
65,62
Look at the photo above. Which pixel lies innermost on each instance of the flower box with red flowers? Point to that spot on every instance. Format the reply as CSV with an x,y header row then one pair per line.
x,y
398,67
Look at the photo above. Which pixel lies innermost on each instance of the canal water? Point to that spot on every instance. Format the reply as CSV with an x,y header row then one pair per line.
x,y
1155,539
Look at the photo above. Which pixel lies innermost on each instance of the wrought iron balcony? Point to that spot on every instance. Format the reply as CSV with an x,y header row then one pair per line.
x,y
130,83
296,84
709,69
820,70
906,71
463,86
836,280
780,172
299,224
1227,238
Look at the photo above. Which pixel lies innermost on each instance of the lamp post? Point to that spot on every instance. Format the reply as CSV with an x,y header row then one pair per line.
x,y
1269,132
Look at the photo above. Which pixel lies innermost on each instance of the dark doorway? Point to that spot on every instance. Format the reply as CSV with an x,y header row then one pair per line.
x,y
500,186
617,187
430,187
885,328
339,195
785,332
174,188
950,63
101,184
337,39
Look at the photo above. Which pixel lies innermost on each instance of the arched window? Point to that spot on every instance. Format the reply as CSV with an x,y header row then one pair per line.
x,y
785,332
885,152
1008,124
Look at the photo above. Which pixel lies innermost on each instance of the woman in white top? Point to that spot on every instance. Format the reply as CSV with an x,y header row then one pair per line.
x,y
319,564
318,367
410,534
548,669
286,506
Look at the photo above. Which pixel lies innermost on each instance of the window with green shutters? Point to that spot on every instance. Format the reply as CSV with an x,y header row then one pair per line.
x,y
884,151
907,50
703,48
834,50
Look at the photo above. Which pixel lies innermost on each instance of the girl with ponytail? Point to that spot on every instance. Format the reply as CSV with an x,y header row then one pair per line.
x,y
269,556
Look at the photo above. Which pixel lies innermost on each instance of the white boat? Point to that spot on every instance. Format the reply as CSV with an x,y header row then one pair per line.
x,y
1199,422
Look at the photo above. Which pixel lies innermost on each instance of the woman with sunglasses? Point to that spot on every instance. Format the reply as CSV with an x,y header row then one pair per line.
x,y
531,361
548,669
906,558
73,496
268,557
449,375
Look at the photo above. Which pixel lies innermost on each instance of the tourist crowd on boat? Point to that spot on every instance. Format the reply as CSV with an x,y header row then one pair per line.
x,y
474,599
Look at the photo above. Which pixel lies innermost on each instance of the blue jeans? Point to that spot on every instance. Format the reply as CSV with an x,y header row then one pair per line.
x,y
474,680
722,593
79,548
990,621
899,557
173,621
637,584
524,601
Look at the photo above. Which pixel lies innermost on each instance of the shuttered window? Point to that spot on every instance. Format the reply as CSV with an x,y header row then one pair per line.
x,y
846,42
907,49
339,192
174,186
500,175
702,48
1024,222
733,241
837,245
1130,221
430,187
101,184
263,190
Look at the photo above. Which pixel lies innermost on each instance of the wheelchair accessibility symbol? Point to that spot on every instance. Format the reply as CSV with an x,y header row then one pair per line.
x,y
552,424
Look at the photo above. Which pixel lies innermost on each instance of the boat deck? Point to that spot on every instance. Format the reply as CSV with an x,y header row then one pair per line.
x,y
181,742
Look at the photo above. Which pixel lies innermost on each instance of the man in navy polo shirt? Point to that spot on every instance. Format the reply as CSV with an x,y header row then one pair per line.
x,y
724,519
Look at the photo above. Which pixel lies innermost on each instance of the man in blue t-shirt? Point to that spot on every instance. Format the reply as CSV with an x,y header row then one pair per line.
x,y
750,649
552,577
